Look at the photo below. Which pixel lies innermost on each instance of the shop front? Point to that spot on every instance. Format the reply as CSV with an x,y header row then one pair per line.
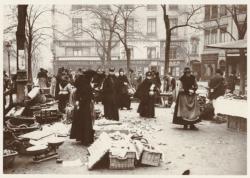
x,y
209,63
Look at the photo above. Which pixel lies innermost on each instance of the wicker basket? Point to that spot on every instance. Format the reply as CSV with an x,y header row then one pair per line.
x,y
151,158
128,162
8,160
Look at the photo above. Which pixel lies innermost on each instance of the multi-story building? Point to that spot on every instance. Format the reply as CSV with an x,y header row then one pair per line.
x,y
75,49
219,28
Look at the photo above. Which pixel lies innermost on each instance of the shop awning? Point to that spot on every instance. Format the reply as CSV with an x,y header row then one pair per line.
x,y
239,44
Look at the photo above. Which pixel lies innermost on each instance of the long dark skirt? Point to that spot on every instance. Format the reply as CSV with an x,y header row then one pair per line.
x,y
82,125
146,107
186,110
110,108
124,100
63,99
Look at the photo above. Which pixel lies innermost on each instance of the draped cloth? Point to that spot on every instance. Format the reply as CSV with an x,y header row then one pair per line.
x,y
187,108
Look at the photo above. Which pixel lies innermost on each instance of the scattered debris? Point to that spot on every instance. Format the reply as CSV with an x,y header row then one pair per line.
x,y
187,172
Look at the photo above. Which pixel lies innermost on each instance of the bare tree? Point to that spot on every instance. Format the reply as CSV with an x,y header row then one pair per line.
x,y
188,14
124,30
35,37
102,29
35,34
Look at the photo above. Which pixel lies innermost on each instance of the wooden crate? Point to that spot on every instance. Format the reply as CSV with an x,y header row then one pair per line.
x,y
151,158
237,123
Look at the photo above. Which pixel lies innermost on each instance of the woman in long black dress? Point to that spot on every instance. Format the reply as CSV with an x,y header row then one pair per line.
x,y
123,96
110,96
145,93
82,126
187,109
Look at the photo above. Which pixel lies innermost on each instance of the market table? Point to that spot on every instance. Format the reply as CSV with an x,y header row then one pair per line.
x,y
235,110
165,97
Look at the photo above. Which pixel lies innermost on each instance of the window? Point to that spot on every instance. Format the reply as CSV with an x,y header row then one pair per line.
x,y
174,22
223,10
207,37
151,7
88,6
86,51
223,34
129,6
151,26
214,11
68,52
214,36
173,7
172,53
104,7
76,7
77,52
242,8
131,53
195,44
207,12
77,26
130,25
151,52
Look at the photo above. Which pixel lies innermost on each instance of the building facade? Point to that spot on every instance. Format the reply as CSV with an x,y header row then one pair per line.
x,y
220,28
73,48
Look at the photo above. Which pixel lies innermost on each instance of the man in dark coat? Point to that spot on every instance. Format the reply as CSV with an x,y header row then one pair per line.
x,y
145,93
216,85
232,79
123,96
97,82
82,126
110,96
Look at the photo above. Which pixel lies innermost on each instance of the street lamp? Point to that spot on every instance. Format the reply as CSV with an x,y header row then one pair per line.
x,y
8,46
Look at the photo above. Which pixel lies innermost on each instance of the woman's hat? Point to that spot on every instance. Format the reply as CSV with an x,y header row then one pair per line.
x,y
111,69
121,70
148,74
187,69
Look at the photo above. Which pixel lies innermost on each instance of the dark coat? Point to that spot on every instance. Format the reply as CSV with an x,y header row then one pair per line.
x,y
188,103
188,83
123,96
217,83
146,106
82,128
110,98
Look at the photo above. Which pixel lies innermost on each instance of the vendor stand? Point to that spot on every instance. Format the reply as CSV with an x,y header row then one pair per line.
x,y
235,110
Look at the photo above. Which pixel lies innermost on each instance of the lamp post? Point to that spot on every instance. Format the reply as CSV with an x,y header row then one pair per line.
x,y
8,46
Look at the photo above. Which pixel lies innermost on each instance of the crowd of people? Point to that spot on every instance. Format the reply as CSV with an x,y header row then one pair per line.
x,y
114,89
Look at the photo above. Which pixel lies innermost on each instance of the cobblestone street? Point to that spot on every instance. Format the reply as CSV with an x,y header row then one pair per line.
x,y
212,150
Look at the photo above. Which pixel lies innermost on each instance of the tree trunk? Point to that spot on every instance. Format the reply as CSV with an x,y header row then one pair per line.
x,y
242,71
30,60
167,42
128,56
167,50
109,54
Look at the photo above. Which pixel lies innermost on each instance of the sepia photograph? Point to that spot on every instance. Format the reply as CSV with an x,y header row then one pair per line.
x,y
124,89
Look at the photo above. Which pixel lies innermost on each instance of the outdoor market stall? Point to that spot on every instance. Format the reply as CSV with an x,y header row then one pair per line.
x,y
234,109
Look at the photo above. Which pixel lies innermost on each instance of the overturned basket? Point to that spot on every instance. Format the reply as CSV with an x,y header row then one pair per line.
x,y
128,162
